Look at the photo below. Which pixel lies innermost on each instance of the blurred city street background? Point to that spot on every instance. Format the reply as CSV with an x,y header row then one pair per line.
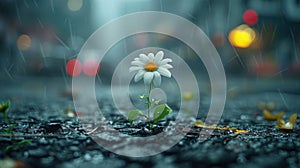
x,y
258,43
256,40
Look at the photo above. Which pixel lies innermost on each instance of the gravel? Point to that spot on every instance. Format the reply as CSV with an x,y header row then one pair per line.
x,y
60,141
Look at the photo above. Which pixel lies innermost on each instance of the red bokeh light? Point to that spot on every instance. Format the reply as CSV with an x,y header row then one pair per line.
x,y
91,67
73,67
250,17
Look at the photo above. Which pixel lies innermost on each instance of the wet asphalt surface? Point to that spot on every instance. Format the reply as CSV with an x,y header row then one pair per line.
x,y
60,141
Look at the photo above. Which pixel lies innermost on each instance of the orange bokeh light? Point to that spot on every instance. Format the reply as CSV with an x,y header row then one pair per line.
x,y
24,42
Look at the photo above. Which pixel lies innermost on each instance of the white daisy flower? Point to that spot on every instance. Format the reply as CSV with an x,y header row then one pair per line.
x,y
151,68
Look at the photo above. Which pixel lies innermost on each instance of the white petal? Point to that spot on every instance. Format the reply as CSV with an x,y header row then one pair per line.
x,y
137,63
167,66
165,72
159,55
148,76
164,61
144,58
157,79
135,68
151,56
136,59
139,75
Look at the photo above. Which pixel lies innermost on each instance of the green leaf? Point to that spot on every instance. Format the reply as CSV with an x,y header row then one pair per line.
x,y
132,115
6,130
161,112
12,125
24,142
10,148
4,107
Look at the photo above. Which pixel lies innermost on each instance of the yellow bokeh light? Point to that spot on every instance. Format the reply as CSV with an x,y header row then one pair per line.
x,y
242,36
24,42
74,5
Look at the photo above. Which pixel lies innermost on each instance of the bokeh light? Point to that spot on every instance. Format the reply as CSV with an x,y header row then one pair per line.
x,y
242,36
91,67
250,17
74,5
24,42
73,67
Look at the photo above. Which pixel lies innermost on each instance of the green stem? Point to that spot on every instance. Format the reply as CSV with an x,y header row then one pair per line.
x,y
12,135
149,103
10,127
6,118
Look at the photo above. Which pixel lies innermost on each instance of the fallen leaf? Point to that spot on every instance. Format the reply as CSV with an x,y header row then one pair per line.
x,y
241,131
201,124
272,117
282,125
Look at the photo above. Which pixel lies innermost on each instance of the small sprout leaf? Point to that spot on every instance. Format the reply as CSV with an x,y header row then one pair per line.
x,y
161,111
7,130
132,115
4,107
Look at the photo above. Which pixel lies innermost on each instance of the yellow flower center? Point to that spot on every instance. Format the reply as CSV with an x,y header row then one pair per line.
x,y
150,66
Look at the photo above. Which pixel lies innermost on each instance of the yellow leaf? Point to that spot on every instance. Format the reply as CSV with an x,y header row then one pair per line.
x,y
293,119
201,124
241,131
282,125
272,117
